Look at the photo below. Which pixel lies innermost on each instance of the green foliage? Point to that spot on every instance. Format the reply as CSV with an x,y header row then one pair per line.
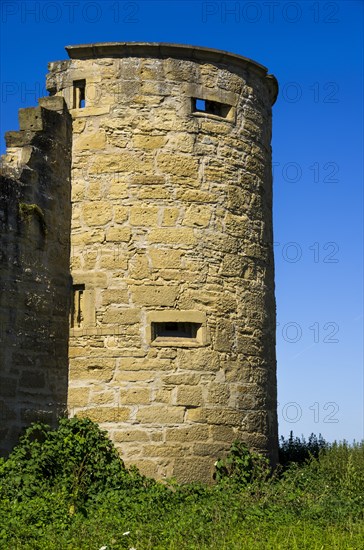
x,y
241,466
299,450
77,460
68,489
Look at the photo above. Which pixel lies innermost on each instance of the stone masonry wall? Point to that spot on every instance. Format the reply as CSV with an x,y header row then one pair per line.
x,y
171,224
35,214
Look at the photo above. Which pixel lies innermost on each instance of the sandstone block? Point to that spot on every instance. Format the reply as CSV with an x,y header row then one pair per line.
x,y
181,236
166,258
114,260
150,295
189,396
170,216
198,360
227,417
188,469
160,415
118,234
181,142
90,237
144,364
195,195
91,141
225,334
146,467
91,111
164,450
146,179
144,215
232,265
148,142
178,165
163,396
102,398
225,434
118,190
133,376
125,436
209,449
186,378
152,193
114,296
78,397
92,369
197,216
122,162
139,267
217,128
135,396
122,316
218,394
78,192
78,125
105,414
98,213
187,433
120,214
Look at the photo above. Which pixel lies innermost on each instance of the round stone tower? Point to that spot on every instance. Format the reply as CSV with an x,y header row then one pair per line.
x,y
172,325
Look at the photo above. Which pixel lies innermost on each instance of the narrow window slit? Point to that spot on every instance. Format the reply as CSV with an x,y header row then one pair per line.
x,y
79,94
172,330
210,107
77,306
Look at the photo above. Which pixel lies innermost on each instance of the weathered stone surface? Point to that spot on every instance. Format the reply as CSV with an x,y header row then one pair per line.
x,y
144,215
35,231
121,316
135,395
160,415
105,414
182,237
197,216
92,141
149,295
189,396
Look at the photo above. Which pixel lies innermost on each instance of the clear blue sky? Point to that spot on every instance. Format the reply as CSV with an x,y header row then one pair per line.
x,y
314,48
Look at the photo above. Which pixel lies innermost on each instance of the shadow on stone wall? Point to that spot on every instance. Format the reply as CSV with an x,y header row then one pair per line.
x,y
35,217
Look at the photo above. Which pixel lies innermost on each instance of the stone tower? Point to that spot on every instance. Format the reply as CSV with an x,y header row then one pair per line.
x,y
172,310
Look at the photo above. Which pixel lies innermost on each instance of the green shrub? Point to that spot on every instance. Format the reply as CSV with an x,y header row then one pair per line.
x,y
77,460
299,450
68,489
241,466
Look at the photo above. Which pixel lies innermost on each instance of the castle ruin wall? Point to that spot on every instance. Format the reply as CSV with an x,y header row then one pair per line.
x,y
35,216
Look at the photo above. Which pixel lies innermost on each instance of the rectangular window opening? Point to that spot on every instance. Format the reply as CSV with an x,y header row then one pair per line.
x,y
79,94
76,317
210,107
165,331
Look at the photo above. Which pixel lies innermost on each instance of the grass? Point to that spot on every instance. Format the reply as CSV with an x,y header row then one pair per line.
x,y
55,494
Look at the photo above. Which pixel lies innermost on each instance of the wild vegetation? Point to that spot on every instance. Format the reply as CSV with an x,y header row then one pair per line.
x,y
68,489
